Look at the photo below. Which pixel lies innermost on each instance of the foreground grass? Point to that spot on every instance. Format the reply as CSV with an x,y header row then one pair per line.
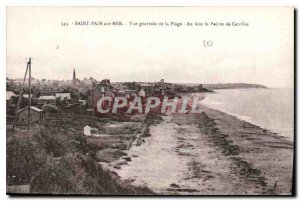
x,y
53,161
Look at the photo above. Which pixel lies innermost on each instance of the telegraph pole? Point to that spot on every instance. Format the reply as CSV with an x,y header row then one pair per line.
x,y
20,98
29,98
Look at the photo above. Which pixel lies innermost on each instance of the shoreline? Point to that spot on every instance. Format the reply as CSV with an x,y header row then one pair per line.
x,y
215,153
270,153
273,123
244,119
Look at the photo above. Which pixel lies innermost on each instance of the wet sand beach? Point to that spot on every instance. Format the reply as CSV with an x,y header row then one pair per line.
x,y
257,156
210,153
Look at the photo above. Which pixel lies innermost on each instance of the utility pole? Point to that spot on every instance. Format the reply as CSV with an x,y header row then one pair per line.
x,y
29,98
20,98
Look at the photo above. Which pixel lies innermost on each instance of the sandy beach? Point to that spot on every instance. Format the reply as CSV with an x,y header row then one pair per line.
x,y
210,153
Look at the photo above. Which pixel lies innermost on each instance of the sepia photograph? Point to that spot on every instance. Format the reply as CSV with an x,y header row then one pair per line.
x,y
175,101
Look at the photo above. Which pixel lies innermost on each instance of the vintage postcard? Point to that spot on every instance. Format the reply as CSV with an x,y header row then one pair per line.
x,y
150,101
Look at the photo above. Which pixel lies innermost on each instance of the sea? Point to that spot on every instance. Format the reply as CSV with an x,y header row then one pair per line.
x,y
270,108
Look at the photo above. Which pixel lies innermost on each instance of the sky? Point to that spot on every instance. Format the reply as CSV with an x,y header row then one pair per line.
x,y
261,53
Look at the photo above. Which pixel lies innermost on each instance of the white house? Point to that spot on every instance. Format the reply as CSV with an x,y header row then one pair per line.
x,y
83,102
142,92
9,97
27,96
89,131
10,94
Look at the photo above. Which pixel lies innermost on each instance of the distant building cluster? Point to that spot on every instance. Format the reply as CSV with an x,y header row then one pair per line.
x,y
51,95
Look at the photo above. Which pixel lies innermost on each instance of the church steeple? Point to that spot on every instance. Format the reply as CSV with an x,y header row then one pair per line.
x,y
74,76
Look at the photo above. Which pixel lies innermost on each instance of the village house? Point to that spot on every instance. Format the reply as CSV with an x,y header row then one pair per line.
x,y
89,131
129,94
11,102
82,102
25,100
26,96
148,88
36,114
10,96
47,100
142,92
89,81
103,89
63,96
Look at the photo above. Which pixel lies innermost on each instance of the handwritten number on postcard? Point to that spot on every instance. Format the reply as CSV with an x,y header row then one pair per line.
x,y
208,43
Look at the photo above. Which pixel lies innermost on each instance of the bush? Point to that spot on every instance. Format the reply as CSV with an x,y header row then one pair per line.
x,y
58,176
78,174
23,158
54,142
